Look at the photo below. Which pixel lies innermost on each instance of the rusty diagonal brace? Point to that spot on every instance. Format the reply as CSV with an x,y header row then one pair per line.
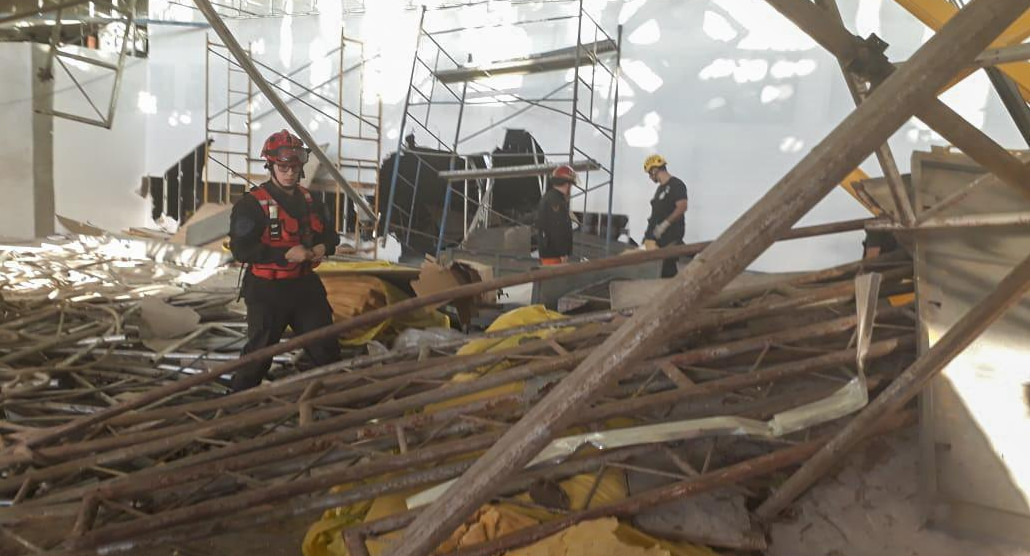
x,y
865,58
895,183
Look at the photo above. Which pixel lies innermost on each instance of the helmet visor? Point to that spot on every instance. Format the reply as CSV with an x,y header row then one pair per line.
x,y
289,155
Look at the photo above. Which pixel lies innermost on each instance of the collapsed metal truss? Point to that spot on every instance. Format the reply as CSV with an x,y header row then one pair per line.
x,y
197,463
435,69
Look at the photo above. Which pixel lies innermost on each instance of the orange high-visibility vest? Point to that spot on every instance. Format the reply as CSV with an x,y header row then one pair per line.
x,y
290,234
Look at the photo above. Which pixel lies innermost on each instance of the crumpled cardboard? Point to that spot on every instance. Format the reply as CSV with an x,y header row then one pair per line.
x,y
159,320
433,278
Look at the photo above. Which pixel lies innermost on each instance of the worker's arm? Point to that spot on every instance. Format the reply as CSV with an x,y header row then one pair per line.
x,y
680,210
660,228
328,239
649,231
247,223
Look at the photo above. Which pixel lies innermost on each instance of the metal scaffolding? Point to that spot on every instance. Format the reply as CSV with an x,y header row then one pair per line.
x,y
435,75
228,131
359,140
250,9
232,163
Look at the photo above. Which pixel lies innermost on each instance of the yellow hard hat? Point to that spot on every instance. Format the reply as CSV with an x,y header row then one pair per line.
x,y
654,161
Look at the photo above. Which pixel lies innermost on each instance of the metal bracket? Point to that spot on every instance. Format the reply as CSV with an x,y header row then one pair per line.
x,y
46,73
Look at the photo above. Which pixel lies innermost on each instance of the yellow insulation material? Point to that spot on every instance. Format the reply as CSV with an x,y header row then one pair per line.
x,y
522,316
353,294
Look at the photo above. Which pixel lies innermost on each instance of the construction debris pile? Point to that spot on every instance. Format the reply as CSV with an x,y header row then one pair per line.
x,y
92,465
90,322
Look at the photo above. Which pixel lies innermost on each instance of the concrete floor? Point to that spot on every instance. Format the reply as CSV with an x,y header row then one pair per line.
x,y
870,507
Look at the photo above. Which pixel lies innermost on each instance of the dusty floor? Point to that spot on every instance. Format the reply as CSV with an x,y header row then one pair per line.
x,y
870,508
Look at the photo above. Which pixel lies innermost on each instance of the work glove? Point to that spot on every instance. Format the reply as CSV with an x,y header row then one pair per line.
x,y
659,230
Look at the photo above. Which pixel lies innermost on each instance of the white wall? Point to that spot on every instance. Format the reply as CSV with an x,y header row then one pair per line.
x,y
728,90
97,171
174,95
16,157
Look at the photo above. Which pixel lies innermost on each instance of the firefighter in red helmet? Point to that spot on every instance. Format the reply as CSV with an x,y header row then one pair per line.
x,y
553,221
281,232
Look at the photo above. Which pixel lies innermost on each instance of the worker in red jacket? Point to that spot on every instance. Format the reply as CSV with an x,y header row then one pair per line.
x,y
281,232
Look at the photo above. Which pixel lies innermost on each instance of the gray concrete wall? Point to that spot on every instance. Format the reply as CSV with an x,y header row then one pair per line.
x,y
43,149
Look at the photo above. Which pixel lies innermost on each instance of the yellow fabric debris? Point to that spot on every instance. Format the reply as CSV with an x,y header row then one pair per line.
x,y
353,294
847,184
590,538
902,299
489,523
522,316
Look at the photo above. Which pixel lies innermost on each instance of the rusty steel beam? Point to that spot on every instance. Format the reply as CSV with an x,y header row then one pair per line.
x,y
323,481
1008,293
159,477
628,407
353,418
896,185
175,473
863,58
383,376
180,436
30,439
726,476
305,506
346,388
759,409
732,383
628,507
869,126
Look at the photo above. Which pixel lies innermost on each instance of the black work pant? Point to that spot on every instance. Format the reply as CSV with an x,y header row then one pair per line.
x,y
669,268
272,305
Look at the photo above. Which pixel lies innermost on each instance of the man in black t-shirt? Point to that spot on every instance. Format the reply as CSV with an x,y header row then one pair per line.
x,y
666,225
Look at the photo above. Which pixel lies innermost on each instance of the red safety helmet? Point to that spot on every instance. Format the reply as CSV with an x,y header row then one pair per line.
x,y
284,148
564,174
